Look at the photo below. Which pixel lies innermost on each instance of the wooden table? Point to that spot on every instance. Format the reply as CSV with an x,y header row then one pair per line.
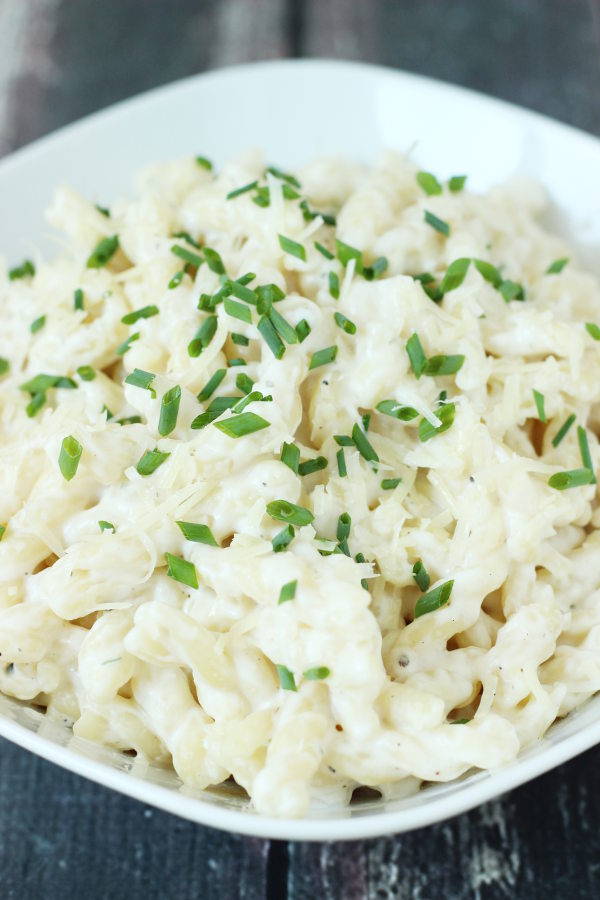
x,y
61,836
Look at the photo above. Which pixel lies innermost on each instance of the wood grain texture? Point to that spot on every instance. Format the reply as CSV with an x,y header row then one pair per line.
x,y
61,836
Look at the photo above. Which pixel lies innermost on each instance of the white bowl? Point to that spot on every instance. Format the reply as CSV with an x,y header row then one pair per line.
x,y
295,111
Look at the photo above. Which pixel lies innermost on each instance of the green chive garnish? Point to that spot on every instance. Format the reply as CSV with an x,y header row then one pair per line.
x,y
436,598
416,354
41,383
103,252
37,324
366,421
181,570
389,484
341,463
488,271
203,336
324,251
292,247
396,410
572,478
290,456
194,259
316,674
540,404
239,339
211,385
343,440
150,461
140,378
146,312
322,357
511,290
25,270
242,190
283,327
562,432
237,310
176,280
35,404
204,163
584,449
312,465
169,410
593,330
345,324
557,266
344,524
199,534
421,576
443,365
239,426
287,592
283,539
446,415
4,366
345,253
457,183
302,330
334,286
244,383
429,183
124,347
363,445
455,274
106,526
437,223
86,373
286,678
68,459
377,268
214,261
272,339
288,512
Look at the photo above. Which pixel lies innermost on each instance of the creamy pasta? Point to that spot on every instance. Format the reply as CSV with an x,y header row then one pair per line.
x,y
297,477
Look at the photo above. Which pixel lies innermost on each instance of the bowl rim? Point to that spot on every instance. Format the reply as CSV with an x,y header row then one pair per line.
x,y
471,792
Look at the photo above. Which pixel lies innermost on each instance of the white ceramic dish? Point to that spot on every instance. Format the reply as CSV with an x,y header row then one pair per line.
x,y
295,111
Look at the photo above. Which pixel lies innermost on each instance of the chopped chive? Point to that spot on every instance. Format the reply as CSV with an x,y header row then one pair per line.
x,y
366,421
105,409
239,426
488,271
35,404
128,420
186,236
511,290
169,410
176,280
146,312
341,463
309,215
457,183
37,324
429,183
106,526
272,339
4,366
78,299
290,513
25,270
237,310
345,253
421,576
204,163
416,354
103,252
334,286
342,547
199,534
242,292
557,266
572,478
584,449
284,176
396,410
290,456
455,274
322,357
562,432
377,268
437,223
242,190
267,295
302,330
248,398
283,539
237,361
150,461
389,484
593,330
343,526
316,674
462,721
124,347
292,247
360,558
282,326
214,261
540,404
86,373
239,339
68,459
140,378
203,336
345,324
312,465
443,365
446,415
42,383
363,445
343,440
324,251
181,570
194,259
286,678
211,385
436,598
103,210
287,592
244,383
